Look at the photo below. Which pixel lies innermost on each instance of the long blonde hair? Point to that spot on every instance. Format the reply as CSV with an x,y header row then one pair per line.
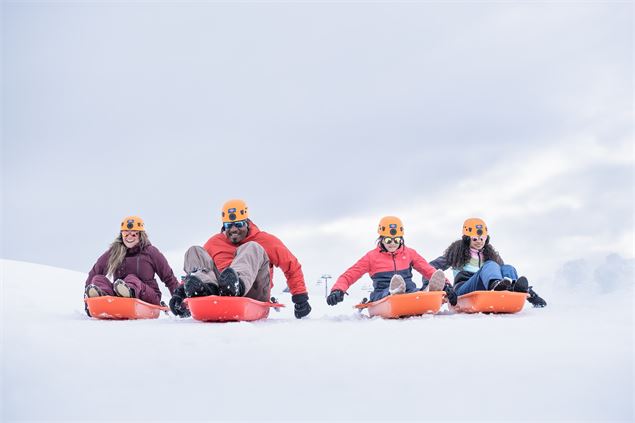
x,y
118,251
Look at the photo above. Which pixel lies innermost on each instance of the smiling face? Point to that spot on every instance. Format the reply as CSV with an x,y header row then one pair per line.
x,y
236,231
391,244
130,238
478,242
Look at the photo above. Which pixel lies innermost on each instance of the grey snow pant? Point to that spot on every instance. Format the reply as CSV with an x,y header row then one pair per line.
x,y
250,262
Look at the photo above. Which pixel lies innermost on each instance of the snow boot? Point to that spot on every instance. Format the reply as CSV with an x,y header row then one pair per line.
x,y
229,284
535,299
93,291
520,285
397,285
437,281
122,289
504,284
450,294
194,287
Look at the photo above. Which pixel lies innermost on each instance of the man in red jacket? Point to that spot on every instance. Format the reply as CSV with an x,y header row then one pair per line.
x,y
239,262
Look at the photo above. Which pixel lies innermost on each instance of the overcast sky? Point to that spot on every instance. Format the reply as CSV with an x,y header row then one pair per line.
x,y
323,116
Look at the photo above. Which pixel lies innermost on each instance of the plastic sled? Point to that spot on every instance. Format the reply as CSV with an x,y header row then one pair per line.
x,y
491,302
215,308
403,305
109,307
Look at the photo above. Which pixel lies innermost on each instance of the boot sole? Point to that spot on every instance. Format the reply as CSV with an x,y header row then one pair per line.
x,y
437,281
399,289
227,281
194,287
123,290
93,292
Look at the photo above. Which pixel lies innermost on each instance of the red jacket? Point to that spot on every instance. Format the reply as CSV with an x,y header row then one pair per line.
x,y
381,265
222,251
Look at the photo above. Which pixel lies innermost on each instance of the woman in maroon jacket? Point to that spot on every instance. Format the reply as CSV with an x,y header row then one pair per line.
x,y
132,262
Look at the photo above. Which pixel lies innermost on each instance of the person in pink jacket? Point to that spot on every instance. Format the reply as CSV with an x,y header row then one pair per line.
x,y
390,267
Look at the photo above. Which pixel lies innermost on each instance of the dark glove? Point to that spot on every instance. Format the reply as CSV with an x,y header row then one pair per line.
x,y
450,293
302,307
335,297
176,303
535,299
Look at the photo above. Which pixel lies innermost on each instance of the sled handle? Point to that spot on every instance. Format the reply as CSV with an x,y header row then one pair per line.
x,y
364,304
275,304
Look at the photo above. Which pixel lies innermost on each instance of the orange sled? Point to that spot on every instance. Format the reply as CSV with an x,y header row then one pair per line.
x,y
108,307
214,308
402,305
491,302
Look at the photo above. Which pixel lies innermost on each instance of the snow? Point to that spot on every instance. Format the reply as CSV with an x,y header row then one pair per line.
x,y
572,360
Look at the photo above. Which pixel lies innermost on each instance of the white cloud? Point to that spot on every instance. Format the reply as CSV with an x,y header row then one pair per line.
x,y
506,196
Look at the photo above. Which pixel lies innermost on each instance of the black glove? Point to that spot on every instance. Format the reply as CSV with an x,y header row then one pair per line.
x,y
335,297
302,307
535,299
450,293
176,303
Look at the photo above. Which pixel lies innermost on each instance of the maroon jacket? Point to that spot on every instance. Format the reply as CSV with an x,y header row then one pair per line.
x,y
143,263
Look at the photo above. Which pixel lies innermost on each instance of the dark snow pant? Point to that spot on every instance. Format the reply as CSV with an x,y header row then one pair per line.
x,y
378,294
488,272
142,290
250,262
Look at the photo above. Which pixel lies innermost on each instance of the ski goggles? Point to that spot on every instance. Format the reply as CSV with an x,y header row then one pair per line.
x,y
397,240
239,224
130,233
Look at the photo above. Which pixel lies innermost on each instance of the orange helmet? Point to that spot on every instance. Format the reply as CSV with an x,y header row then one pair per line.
x,y
132,223
234,210
474,227
390,226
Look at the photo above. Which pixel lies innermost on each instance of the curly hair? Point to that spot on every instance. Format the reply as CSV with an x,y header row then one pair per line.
x,y
458,253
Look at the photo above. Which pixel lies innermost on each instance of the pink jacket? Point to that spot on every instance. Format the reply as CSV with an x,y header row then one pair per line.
x,y
382,265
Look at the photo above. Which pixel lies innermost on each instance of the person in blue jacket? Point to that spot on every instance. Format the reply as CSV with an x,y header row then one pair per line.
x,y
477,266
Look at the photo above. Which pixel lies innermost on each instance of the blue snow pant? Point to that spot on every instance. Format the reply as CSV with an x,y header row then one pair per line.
x,y
489,271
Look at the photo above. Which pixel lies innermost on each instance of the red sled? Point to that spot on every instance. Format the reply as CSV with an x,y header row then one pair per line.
x,y
403,305
215,308
120,308
491,302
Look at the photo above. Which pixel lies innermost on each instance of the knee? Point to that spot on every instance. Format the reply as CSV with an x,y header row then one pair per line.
x,y
491,264
132,279
195,250
251,246
99,280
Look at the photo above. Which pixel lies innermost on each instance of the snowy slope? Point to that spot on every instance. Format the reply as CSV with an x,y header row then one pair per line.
x,y
570,361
